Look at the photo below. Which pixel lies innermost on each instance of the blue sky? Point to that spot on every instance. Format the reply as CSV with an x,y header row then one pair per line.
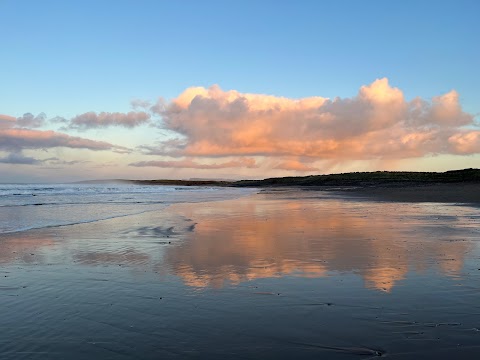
x,y
66,58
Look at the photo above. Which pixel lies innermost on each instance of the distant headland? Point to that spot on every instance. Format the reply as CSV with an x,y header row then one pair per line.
x,y
353,179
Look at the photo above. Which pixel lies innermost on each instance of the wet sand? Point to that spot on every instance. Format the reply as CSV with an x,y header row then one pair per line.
x,y
280,275
465,193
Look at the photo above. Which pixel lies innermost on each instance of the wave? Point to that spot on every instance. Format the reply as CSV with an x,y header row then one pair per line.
x,y
70,205
87,203
48,226
29,190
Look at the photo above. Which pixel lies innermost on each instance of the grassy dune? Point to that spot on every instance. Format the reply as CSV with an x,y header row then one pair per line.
x,y
362,179
390,178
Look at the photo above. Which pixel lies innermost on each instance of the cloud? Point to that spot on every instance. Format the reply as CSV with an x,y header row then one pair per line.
x,y
13,139
466,142
294,165
170,146
57,161
190,164
105,119
202,124
29,120
377,123
140,104
15,136
6,121
58,120
19,158
159,107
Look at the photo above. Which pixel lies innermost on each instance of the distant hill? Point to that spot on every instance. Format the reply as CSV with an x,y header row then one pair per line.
x,y
106,181
159,182
183,182
387,178
211,179
363,179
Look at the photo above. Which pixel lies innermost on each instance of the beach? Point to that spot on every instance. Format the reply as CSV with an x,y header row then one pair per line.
x,y
456,193
269,274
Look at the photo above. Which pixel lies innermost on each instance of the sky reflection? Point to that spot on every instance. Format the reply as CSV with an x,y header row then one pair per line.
x,y
243,240
281,235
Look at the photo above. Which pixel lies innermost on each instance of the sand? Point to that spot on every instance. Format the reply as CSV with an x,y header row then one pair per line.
x,y
278,275
465,193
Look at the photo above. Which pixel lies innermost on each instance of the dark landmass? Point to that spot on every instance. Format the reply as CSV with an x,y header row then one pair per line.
x,y
455,186
354,179
370,179
183,182
108,181
160,182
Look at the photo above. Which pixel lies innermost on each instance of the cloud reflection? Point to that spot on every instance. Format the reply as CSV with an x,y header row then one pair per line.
x,y
243,240
284,234
24,247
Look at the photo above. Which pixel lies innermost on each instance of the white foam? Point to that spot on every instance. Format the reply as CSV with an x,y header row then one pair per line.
x,y
31,206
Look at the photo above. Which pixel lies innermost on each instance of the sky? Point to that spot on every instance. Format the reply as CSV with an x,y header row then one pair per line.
x,y
236,89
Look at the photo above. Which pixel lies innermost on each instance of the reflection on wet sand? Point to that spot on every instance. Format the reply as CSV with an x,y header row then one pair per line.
x,y
242,240
263,236
146,285
24,247
125,256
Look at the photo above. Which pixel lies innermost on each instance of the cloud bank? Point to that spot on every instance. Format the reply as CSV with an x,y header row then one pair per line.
x,y
378,123
210,128
14,137
190,164
17,139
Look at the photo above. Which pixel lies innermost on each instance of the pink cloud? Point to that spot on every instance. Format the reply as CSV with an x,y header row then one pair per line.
x,y
6,121
294,165
190,164
378,123
14,139
467,142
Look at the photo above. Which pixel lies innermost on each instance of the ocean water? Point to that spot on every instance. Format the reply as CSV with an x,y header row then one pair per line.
x,y
35,206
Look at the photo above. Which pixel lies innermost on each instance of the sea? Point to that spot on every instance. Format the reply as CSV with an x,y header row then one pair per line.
x,y
35,206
